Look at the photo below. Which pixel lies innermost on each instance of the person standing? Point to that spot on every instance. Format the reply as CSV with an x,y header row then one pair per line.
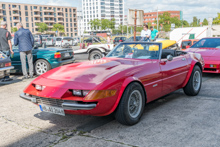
x,y
25,41
145,33
154,33
108,39
5,39
5,43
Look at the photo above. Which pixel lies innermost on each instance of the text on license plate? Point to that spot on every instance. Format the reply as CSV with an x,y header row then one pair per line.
x,y
52,109
67,54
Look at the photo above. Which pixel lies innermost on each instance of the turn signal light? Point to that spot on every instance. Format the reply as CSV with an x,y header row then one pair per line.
x,y
57,55
100,94
7,64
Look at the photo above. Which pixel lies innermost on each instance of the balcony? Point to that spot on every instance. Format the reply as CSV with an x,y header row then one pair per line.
x,y
1,14
36,10
59,11
60,21
49,21
38,20
48,15
48,10
36,15
60,16
15,8
15,14
0,7
16,20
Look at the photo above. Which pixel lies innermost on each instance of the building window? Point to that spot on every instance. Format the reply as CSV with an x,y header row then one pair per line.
x,y
66,19
67,29
27,24
67,25
26,8
3,6
70,10
40,8
4,12
26,13
66,10
26,19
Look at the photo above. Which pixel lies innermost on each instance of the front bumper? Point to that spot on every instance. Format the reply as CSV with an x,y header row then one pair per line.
x,y
212,67
71,105
5,71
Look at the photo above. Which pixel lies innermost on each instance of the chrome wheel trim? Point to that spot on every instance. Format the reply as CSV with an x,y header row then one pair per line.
x,y
41,67
135,104
196,80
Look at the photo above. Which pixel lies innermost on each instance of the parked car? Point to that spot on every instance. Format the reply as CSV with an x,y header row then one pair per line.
x,y
38,40
64,41
95,51
91,40
51,41
209,48
5,65
44,38
187,43
119,40
138,38
120,83
44,59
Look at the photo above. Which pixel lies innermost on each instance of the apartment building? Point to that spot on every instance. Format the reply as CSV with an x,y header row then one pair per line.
x,y
150,17
102,9
80,23
31,14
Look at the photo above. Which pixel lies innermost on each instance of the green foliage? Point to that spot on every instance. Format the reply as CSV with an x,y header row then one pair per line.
x,y
13,30
112,24
217,19
42,27
95,24
58,27
105,24
205,22
185,23
195,23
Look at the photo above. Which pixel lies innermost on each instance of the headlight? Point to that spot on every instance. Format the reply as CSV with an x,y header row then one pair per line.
x,y
81,93
39,87
100,94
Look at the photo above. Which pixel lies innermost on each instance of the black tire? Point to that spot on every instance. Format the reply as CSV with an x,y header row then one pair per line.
x,y
45,67
191,89
122,113
94,55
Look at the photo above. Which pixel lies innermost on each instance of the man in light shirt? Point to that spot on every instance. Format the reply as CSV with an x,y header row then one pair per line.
x,y
145,33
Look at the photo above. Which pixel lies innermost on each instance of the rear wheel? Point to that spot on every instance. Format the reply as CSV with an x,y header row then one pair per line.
x,y
131,106
94,55
194,84
41,66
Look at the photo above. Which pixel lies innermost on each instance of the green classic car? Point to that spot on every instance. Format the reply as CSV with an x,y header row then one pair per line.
x,y
44,59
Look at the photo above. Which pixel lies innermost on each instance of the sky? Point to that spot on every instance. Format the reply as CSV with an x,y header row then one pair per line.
x,y
199,8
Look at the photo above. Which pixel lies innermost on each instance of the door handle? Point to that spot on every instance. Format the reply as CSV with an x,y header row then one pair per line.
x,y
183,59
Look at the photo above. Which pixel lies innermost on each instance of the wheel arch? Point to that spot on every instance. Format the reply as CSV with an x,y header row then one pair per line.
x,y
124,85
190,71
97,49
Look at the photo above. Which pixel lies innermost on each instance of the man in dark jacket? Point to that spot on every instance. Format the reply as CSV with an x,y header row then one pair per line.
x,y
25,41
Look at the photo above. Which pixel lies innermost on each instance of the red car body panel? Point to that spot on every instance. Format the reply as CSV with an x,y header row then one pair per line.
x,y
158,78
211,58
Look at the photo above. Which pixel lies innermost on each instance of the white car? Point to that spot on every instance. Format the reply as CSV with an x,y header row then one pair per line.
x,y
65,41
96,51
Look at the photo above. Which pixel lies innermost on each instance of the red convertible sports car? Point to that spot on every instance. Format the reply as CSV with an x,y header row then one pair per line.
x,y
131,75
209,48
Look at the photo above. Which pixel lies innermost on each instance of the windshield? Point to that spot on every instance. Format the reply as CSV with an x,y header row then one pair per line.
x,y
207,43
58,39
136,51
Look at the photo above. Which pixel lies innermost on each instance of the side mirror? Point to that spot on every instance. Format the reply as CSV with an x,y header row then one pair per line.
x,y
169,58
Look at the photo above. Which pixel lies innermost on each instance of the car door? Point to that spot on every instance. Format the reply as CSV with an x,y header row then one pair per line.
x,y
174,73
16,61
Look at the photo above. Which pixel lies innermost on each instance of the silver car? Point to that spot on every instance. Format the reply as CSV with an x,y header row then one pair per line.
x,y
51,41
64,41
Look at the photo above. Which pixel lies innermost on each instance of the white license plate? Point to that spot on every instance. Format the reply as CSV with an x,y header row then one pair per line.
x,y
67,54
52,109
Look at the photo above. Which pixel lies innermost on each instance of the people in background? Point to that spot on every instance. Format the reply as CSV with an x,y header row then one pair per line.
x,y
5,43
25,41
154,33
108,39
145,33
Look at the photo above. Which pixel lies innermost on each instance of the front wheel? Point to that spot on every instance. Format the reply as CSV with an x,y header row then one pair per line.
x,y
94,55
131,106
41,66
195,82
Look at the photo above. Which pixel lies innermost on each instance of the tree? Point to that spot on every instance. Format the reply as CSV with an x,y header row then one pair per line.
x,y
105,24
185,23
42,27
205,22
217,19
112,24
164,20
13,30
195,22
58,27
95,24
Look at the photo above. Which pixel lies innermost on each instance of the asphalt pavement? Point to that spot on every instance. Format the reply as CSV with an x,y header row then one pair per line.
x,y
173,120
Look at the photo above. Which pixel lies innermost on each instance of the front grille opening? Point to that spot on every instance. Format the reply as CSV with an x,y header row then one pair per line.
x,y
210,69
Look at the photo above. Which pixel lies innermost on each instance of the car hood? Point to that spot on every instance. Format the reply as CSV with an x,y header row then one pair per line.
x,y
207,53
92,71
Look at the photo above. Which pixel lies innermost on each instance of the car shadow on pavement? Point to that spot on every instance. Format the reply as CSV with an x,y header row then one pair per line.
x,y
15,80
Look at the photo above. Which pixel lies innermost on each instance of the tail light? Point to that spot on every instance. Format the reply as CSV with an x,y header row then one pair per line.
x,y
113,40
7,64
73,53
120,40
52,40
57,55
62,41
